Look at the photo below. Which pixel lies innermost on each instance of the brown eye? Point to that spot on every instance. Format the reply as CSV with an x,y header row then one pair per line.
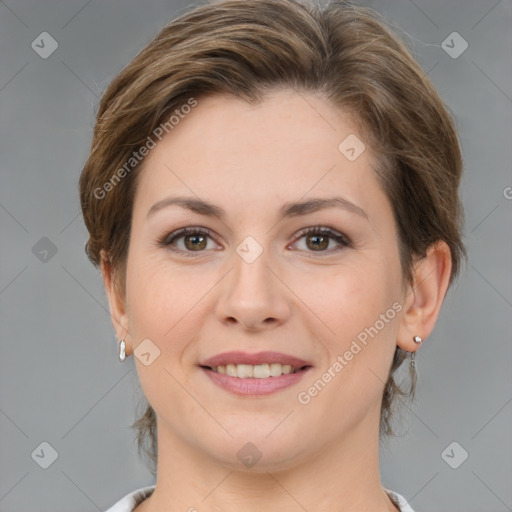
x,y
195,242
317,242
188,241
322,240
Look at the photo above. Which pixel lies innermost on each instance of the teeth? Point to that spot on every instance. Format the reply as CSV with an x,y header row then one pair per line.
x,y
245,371
276,369
231,370
261,371
258,371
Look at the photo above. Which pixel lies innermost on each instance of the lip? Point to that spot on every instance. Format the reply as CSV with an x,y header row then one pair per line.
x,y
254,387
251,386
240,357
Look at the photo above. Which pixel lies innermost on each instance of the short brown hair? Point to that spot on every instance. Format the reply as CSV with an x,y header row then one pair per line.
x,y
346,54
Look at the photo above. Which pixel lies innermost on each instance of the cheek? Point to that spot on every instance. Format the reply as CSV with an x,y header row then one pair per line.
x,y
356,307
157,302
150,300
349,298
164,308
167,306
158,296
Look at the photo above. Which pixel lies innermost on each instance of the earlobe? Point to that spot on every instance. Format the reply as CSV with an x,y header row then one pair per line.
x,y
425,297
116,300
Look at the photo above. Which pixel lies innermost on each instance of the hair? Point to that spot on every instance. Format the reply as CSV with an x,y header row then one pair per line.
x,y
344,53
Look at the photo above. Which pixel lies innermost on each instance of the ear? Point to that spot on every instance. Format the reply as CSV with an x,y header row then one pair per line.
x,y
116,301
424,298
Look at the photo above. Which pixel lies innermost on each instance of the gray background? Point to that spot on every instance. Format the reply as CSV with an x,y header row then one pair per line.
x,y
60,381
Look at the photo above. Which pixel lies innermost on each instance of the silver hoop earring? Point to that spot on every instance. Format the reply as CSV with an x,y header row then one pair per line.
x,y
122,351
417,339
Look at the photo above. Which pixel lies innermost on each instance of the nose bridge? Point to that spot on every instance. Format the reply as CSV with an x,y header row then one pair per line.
x,y
251,271
252,295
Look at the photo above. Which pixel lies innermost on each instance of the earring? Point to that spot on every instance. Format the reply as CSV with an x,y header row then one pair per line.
x,y
418,340
122,351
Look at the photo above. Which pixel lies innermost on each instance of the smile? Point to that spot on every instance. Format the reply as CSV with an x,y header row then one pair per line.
x,y
258,371
254,377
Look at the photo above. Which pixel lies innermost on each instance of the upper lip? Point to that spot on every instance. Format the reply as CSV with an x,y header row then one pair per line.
x,y
239,357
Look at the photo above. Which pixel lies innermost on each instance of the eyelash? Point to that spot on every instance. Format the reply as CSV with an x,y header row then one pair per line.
x,y
168,239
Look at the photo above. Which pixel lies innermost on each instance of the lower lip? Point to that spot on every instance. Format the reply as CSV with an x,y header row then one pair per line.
x,y
254,387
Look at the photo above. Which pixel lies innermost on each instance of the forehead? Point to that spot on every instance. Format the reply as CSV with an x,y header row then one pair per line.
x,y
283,148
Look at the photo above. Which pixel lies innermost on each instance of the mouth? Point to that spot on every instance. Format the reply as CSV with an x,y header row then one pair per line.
x,y
258,371
255,374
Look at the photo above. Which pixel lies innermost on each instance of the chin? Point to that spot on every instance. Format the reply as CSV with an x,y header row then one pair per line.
x,y
258,452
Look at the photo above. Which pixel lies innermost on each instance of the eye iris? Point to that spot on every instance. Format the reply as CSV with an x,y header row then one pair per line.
x,y
198,242
319,241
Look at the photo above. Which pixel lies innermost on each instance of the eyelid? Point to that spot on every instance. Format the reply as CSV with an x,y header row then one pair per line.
x,y
164,241
340,238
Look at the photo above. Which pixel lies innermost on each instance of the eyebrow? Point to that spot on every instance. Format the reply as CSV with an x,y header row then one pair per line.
x,y
290,209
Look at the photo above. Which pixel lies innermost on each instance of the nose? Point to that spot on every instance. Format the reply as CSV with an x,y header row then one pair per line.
x,y
252,296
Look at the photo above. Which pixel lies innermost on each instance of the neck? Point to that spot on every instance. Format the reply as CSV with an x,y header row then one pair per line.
x,y
343,477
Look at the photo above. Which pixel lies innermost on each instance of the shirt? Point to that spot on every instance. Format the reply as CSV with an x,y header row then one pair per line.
x,y
130,501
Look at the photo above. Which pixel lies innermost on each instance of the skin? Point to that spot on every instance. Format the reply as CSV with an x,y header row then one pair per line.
x,y
294,298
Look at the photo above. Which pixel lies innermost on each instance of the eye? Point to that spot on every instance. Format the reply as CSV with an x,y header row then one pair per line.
x,y
190,240
321,239
187,240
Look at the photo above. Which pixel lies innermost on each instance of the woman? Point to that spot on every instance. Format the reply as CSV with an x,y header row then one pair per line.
x,y
272,198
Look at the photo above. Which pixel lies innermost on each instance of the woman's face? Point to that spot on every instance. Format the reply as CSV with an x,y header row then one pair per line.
x,y
247,279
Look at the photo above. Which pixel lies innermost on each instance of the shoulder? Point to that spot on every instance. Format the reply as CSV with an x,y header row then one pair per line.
x,y
131,500
399,501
